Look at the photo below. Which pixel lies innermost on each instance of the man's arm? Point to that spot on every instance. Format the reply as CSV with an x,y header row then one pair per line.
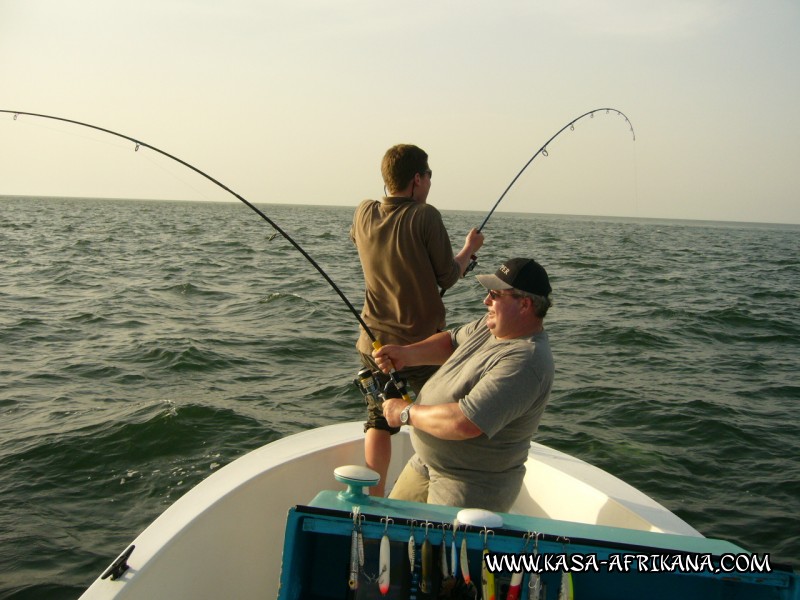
x,y
433,350
472,243
444,421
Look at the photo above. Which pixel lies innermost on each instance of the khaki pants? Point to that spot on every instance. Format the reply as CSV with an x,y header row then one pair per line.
x,y
410,486
434,488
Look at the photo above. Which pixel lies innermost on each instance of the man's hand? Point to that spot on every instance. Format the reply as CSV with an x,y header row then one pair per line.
x,y
391,356
473,241
392,409
431,351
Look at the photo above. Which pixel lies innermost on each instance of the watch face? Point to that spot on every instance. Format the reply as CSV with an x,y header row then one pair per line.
x,y
404,415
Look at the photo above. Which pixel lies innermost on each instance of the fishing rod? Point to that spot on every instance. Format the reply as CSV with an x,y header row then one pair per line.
x,y
401,386
543,151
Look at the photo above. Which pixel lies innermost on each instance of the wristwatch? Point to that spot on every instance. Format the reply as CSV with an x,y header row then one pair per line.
x,y
405,416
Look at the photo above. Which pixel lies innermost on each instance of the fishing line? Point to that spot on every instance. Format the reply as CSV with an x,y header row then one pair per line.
x,y
543,151
140,144
183,181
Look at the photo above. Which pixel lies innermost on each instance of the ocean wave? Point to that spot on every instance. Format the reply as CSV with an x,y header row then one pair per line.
x,y
182,356
190,290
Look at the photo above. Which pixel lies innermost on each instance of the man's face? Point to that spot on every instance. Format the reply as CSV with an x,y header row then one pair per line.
x,y
504,312
422,185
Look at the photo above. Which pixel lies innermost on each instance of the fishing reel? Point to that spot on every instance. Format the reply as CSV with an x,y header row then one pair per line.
x,y
396,387
473,262
365,381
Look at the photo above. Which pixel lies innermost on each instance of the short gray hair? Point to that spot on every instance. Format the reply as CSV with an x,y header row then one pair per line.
x,y
541,304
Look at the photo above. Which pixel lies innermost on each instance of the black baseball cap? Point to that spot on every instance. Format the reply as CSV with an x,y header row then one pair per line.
x,y
524,274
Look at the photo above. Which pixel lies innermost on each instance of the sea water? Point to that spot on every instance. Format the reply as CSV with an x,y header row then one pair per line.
x,y
143,345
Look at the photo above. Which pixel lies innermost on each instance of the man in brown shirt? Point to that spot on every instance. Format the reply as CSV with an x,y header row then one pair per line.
x,y
406,256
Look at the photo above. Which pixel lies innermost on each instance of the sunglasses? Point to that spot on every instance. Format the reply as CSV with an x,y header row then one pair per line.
x,y
427,172
494,294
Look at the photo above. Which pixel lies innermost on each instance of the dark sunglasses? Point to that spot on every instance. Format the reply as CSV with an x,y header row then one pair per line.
x,y
494,294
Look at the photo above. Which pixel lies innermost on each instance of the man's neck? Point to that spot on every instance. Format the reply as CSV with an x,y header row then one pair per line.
x,y
525,330
406,193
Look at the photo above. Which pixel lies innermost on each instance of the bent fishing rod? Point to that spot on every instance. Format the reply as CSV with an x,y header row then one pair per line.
x,y
543,152
399,383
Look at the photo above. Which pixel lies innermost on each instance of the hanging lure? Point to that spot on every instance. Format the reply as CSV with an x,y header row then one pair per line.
x,y
448,581
360,546
515,585
487,577
384,560
352,582
566,591
412,549
470,591
465,561
426,583
445,569
535,580
412,559
454,552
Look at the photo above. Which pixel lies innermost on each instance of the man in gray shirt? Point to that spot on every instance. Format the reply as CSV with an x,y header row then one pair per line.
x,y
474,419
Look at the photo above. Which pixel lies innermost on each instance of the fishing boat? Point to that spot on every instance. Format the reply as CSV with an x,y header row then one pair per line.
x,y
294,519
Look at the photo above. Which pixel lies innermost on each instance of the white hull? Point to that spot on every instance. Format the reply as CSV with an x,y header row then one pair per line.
x,y
224,538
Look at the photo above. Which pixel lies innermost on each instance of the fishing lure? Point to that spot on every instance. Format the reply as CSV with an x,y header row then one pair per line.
x,y
566,591
412,549
515,585
426,583
352,582
535,580
487,577
360,547
454,551
384,560
443,566
465,561
448,578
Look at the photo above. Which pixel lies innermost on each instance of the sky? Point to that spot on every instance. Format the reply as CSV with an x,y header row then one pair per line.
x,y
296,101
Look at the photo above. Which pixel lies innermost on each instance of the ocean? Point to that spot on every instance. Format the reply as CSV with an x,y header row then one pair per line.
x,y
146,344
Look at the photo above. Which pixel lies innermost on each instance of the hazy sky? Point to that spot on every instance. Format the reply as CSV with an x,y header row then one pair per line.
x,y
296,101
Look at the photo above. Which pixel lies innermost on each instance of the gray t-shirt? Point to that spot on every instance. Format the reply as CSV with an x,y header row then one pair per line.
x,y
503,387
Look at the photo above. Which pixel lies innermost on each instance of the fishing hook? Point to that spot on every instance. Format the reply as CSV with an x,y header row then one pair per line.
x,y
428,525
386,520
486,533
139,143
